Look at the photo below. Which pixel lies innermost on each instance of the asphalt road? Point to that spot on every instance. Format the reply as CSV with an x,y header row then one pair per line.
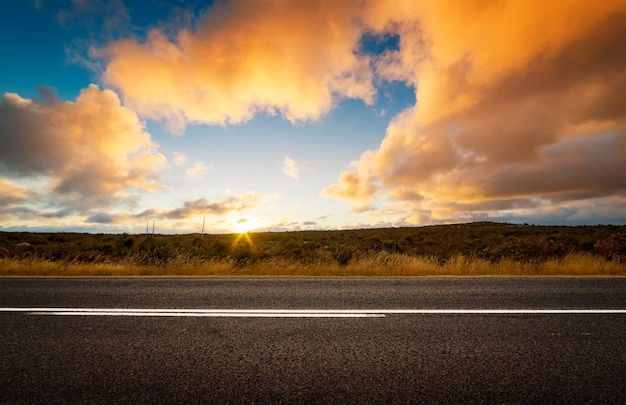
x,y
395,358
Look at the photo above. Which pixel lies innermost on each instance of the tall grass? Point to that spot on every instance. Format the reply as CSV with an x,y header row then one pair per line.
x,y
374,264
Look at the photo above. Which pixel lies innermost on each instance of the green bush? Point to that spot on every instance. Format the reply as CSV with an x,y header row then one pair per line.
x,y
156,251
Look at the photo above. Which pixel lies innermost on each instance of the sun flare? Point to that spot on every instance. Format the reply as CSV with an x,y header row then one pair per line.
x,y
245,224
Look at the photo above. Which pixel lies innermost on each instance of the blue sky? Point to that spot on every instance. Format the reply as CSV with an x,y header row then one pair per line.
x,y
292,115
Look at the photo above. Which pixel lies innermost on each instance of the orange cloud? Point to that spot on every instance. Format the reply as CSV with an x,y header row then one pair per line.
x,y
11,193
454,52
358,185
91,150
517,108
243,58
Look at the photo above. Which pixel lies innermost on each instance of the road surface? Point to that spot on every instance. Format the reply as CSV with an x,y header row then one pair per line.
x,y
364,340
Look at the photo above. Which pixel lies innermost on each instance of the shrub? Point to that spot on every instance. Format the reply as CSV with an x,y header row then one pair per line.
x,y
156,251
612,248
342,254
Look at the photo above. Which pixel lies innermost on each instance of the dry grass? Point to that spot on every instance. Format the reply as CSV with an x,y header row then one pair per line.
x,y
377,265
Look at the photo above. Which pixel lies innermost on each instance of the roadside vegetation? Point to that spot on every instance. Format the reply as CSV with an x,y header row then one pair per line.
x,y
481,248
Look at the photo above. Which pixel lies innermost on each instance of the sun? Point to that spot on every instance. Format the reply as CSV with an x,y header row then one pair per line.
x,y
245,224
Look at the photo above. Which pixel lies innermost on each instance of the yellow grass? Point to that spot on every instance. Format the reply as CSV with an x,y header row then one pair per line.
x,y
380,264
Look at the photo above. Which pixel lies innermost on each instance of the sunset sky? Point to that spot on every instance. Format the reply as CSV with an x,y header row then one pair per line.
x,y
295,114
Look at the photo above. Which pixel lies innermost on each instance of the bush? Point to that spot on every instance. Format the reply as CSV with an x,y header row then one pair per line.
x,y
612,248
342,254
156,251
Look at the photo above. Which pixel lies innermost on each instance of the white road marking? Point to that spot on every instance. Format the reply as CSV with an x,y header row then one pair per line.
x,y
257,313
217,314
295,313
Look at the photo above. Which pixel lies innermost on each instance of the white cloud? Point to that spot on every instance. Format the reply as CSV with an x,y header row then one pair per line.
x,y
178,159
290,168
198,170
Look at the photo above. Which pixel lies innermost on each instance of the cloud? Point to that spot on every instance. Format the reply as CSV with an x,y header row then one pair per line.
x,y
178,159
290,168
107,17
104,218
198,170
201,206
505,119
196,207
519,108
243,58
15,202
11,193
91,151
358,184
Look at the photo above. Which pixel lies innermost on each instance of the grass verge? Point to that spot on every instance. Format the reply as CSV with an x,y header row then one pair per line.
x,y
382,264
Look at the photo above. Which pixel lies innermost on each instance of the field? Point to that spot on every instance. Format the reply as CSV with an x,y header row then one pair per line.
x,y
482,248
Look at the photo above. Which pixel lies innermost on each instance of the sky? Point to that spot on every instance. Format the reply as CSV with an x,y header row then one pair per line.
x,y
286,115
